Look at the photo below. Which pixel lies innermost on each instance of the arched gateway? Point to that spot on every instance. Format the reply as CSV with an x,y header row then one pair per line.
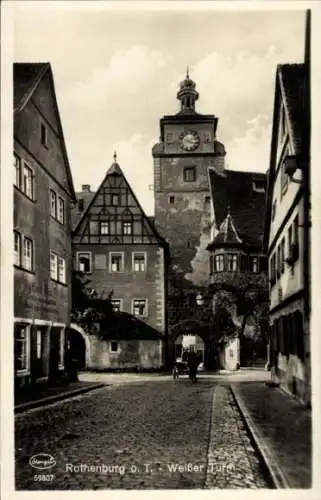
x,y
196,328
79,343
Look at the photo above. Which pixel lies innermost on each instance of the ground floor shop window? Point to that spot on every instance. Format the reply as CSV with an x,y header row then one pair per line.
x,y
21,347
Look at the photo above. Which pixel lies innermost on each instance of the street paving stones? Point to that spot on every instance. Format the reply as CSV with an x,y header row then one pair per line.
x,y
156,435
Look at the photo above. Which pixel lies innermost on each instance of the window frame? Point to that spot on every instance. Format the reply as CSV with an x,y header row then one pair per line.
x,y
28,240
232,258
44,137
253,259
17,170
63,279
144,254
23,188
125,226
26,327
115,196
219,259
19,235
78,255
186,171
120,301
53,203
105,224
122,266
145,315
110,346
53,258
61,215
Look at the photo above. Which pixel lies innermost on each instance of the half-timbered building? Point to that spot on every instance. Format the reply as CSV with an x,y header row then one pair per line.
x,y
121,252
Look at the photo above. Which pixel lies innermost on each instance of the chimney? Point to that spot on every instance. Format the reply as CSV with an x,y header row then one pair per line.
x,y
85,188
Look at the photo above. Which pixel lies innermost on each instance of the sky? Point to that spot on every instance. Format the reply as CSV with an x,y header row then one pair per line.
x,y
117,72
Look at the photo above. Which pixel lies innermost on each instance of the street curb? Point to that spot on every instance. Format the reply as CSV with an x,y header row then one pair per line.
x,y
53,399
275,472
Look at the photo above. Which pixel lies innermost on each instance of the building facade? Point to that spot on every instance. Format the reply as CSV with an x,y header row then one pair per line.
x,y
238,266
43,193
119,249
287,229
187,148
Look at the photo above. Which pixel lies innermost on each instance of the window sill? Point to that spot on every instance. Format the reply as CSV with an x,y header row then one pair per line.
x,y
24,194
22,373
59,282
30,271
57,220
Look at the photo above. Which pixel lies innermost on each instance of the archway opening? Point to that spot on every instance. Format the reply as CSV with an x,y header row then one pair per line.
x,y
76,347
186,342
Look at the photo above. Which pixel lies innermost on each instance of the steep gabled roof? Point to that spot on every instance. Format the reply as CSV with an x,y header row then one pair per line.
x,y
26,78
291,88
292,79
114,170
239,205
227,234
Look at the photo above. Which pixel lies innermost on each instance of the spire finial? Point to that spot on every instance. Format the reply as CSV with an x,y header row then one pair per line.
x,y
115,157
228,210
187,72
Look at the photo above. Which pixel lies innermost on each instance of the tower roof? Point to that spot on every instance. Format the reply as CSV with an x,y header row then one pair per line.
x,y
227,233
187,94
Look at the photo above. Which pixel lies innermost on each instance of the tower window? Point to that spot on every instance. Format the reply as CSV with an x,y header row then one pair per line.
x,y
170,137
189,174
172,200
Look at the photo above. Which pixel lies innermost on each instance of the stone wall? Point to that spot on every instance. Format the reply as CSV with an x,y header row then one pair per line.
x,y
144,354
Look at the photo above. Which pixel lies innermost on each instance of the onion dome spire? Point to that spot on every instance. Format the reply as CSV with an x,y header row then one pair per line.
x,y
187,93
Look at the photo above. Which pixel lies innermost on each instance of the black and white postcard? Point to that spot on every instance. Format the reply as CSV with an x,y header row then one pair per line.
x,y
159,278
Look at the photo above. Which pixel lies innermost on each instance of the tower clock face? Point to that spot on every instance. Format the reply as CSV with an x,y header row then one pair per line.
x,y
189,140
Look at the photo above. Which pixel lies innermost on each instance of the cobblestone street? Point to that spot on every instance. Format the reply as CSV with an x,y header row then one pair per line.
x,y
155,434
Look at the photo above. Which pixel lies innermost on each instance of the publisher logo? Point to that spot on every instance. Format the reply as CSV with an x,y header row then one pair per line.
x,y
42,461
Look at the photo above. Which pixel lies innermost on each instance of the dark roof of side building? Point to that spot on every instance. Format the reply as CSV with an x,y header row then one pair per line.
x,y
26,78
293,89
242,195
